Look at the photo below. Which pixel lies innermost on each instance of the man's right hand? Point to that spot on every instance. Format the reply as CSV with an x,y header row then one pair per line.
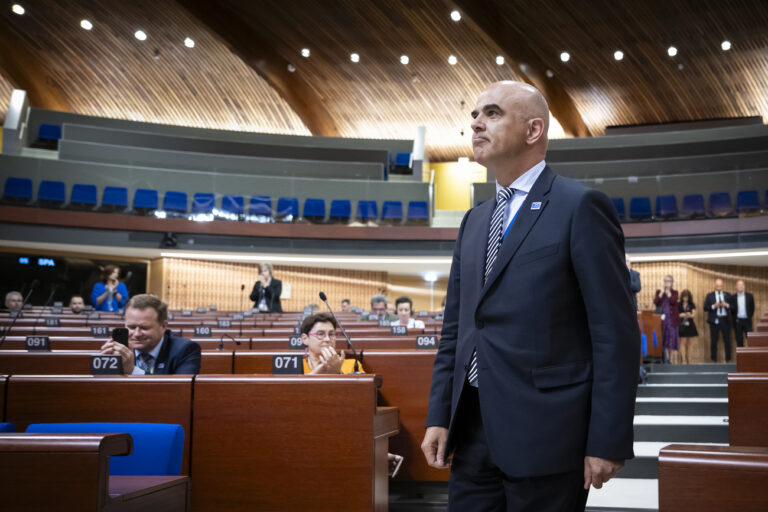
x,y
433,446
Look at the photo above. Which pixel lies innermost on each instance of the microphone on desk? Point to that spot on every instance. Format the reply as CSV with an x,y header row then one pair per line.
x,y
23,303
54,289
221,341
324,298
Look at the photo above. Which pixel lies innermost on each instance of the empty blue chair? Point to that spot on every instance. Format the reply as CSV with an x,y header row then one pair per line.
x,y
233,205
640,208
418,212
288,209
7,427
52,193
693,206
203,203
747,201
720,204
341,210
367,210
145,199
114,198
83,196
260,206
314,210
49,132
157,447
666,206
403,160
18,190
392,211
175,201
618,206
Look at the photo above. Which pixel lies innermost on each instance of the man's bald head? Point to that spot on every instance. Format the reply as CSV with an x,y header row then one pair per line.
x,y
531,103
511,120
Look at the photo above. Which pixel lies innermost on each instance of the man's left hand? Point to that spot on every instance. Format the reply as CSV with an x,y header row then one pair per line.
x,y
597,471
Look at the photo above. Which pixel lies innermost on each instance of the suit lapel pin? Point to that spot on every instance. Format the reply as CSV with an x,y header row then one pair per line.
x,y
161,365
536,205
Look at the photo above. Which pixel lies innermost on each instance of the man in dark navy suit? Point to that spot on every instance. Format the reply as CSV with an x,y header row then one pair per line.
x,y
534,382
152,347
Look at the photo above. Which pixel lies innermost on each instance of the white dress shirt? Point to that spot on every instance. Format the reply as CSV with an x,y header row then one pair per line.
x,y
412,323
719,297
741,301
522,186
154,353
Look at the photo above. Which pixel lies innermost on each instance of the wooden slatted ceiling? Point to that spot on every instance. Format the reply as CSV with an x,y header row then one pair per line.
x,y
380,97
647,86
107,72
5,97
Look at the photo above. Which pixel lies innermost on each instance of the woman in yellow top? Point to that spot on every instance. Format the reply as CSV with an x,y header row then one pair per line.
x,y
318,332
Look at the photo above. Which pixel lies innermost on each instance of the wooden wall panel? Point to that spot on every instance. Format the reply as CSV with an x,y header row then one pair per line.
x,y
189,284
699,279
5,97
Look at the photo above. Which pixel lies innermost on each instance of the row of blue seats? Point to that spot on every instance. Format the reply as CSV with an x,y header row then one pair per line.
x,y
747,202
53,193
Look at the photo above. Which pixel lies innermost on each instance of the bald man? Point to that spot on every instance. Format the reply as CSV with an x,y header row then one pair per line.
x,y
13,301
534,382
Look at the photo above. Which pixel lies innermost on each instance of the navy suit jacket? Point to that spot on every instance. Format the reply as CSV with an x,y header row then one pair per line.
x,y
178,356
555,329
709,302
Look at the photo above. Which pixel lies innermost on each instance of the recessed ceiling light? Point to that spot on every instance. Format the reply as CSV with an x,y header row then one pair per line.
x,y
618,55
500,60
291,68
86,24
549,73
671,51
354,57
455,15
140,35
725,45
404,59
452,60
17,9
565,56
189,42
305,52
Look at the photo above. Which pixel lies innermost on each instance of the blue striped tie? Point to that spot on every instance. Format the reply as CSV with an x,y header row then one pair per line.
x,y
495,238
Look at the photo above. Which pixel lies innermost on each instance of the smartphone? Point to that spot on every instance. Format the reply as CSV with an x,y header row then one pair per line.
x,y
120,335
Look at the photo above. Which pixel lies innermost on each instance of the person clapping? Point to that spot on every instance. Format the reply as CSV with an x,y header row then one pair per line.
x,y
110,294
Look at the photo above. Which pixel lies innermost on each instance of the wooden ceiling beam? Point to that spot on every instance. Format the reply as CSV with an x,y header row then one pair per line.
x,y
490,23
261,56
23,71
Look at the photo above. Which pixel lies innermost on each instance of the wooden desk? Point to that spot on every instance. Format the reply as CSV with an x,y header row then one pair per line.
x,y
290,443
406,380
761,327
3,383
85,398
748,409
42,472
752,359
755,339
651,322
217,361
695,478
55,362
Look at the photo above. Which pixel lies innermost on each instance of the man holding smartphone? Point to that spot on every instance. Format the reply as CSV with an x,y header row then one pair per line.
x,y
147,346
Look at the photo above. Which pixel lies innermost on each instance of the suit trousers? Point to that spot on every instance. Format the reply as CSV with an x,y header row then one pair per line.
x,y
722,326
741,328
477,484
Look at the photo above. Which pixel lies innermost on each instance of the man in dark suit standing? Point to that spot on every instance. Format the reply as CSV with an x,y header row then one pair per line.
x,y
717,304
152,347
534,382
742,309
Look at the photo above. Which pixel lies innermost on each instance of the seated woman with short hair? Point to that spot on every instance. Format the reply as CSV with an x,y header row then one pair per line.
x,y
318,332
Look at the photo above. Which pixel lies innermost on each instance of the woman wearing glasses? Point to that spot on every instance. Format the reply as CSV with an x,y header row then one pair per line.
x,y
318,332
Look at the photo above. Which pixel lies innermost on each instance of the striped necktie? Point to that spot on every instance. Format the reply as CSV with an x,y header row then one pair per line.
x,y
495,238
147,363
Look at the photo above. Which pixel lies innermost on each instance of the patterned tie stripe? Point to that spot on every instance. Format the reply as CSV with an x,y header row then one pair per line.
x,y
495,237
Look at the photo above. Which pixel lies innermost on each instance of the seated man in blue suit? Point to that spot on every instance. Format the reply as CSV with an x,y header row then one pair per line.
x,y
534,382
152,347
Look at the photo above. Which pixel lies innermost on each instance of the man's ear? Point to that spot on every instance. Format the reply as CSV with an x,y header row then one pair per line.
x,y
535,130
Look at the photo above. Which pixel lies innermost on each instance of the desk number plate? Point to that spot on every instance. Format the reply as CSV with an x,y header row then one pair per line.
x,y
106,365
287,364
295,343
100,331
399,330
38,343
203,331
428,341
